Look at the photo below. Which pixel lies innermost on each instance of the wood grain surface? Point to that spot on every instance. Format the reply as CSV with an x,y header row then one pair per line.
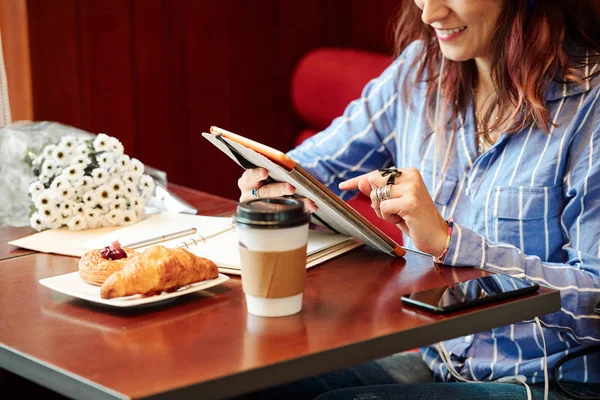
x,y
207,344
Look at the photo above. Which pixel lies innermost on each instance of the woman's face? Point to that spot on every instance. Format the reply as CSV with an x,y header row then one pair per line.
x,y
464,28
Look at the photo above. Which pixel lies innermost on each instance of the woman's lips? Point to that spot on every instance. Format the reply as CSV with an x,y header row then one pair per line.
x,y
447,35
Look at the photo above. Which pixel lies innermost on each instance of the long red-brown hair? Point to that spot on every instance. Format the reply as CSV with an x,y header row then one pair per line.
x,y
534,44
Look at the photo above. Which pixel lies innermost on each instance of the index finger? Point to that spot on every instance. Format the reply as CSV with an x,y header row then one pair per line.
x,y
251,178
351,183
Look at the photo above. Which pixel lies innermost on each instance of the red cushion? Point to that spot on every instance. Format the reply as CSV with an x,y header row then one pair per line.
x,y
303,135
362,204
326,80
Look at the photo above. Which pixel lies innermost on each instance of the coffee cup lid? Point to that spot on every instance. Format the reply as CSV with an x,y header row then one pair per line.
x,y
271,213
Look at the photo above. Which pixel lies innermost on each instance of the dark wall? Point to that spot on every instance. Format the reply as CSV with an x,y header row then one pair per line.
x,y
157,73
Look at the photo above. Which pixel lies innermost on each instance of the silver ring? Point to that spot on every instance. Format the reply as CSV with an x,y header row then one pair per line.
x,y
255,193
383,193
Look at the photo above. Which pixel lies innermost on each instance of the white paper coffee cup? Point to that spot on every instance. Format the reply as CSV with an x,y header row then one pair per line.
x,y
272,235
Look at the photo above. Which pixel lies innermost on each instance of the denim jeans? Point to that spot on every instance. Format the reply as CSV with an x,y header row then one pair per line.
x,y
402,377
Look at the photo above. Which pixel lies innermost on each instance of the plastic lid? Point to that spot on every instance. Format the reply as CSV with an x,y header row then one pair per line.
x,y
271,213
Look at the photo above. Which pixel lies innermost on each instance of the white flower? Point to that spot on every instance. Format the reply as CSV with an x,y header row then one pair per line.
x,y
69,142
117,186
44,199
35,189
114,217
130,191
65,194
44,178
61,155
146,185
116,146
106,160
100,176
50,168
129,178
48,214
137,205
82,159
137,168
92,212
90,199
128,217
77,222
36,222
79,208
60,182
47,152
67,208
102,142
84,184
74,172
82,150
37,161
103,208
105,194
118,204
57,223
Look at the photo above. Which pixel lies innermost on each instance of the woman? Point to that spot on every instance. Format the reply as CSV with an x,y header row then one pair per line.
x,y
491,114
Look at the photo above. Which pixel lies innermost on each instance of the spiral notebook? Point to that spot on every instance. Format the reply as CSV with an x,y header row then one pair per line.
x,y
214,238
333,212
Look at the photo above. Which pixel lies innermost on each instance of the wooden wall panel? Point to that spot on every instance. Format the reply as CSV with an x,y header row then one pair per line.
x,y
208,50
157,73
54,52
159,86
15,46
106,62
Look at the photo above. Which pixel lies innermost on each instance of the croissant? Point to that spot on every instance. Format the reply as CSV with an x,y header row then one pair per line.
x,y
158,269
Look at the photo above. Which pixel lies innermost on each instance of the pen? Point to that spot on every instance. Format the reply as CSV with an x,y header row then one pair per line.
x,y
160,239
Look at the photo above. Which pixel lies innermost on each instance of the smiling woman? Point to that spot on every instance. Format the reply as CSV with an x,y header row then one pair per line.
x,y
490,112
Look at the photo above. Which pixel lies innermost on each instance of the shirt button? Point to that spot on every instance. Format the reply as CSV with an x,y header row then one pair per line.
x,y
468,338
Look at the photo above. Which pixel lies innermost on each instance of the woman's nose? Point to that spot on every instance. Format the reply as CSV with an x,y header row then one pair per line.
x,y
434,10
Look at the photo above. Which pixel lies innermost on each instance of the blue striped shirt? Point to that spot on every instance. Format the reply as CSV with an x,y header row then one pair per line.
x,y
529,207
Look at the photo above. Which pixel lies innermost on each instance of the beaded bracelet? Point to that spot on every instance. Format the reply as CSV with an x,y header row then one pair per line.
x,y
441,257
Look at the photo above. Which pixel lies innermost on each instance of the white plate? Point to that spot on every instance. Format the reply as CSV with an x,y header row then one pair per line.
x,y
72,285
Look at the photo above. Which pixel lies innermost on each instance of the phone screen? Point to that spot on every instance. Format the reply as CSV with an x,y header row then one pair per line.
x,y
469,293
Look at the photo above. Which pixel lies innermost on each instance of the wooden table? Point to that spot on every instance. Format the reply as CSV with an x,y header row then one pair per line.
x,y
205,345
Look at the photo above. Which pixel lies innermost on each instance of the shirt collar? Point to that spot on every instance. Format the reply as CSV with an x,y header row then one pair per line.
x,y
559,90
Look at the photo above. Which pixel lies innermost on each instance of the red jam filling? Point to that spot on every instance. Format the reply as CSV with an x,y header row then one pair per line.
x,y
113,252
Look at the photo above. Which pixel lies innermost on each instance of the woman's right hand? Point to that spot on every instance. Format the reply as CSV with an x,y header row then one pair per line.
x,y
253,179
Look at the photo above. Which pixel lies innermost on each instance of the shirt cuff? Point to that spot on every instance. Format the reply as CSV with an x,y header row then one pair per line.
x,y
467,248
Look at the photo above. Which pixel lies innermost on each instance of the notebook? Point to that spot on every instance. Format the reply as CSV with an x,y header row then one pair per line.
x,y
215,238
333,212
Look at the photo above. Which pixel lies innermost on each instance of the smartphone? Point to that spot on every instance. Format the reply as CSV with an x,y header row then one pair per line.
x,y
470,293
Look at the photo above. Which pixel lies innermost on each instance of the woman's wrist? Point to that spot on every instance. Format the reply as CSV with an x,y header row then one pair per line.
x,y
442,255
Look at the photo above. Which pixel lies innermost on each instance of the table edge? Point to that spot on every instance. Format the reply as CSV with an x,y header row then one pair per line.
x,y
294,369
55,378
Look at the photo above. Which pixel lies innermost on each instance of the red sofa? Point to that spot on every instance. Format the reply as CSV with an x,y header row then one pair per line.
x,y
325,80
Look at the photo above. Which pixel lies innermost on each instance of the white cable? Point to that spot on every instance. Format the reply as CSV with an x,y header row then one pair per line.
x,y
445,357
539,325
5,117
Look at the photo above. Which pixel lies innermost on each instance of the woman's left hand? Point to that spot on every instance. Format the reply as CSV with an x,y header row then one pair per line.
x,y
410,207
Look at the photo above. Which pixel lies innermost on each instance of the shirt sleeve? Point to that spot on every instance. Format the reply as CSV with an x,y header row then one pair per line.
x,y
578,278
363,138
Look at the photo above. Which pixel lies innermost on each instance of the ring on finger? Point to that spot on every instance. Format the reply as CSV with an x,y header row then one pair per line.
x,y
383,193
393,172
255,193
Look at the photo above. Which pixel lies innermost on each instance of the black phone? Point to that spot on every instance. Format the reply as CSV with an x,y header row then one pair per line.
x,y
470,293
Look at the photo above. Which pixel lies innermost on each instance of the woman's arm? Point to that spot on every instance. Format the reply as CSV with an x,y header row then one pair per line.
x,y
363,138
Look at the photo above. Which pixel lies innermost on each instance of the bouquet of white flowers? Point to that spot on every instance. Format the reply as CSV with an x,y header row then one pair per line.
x,y
87,183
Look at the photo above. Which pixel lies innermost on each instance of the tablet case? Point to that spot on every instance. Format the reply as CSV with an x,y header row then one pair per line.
x,y
333,212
